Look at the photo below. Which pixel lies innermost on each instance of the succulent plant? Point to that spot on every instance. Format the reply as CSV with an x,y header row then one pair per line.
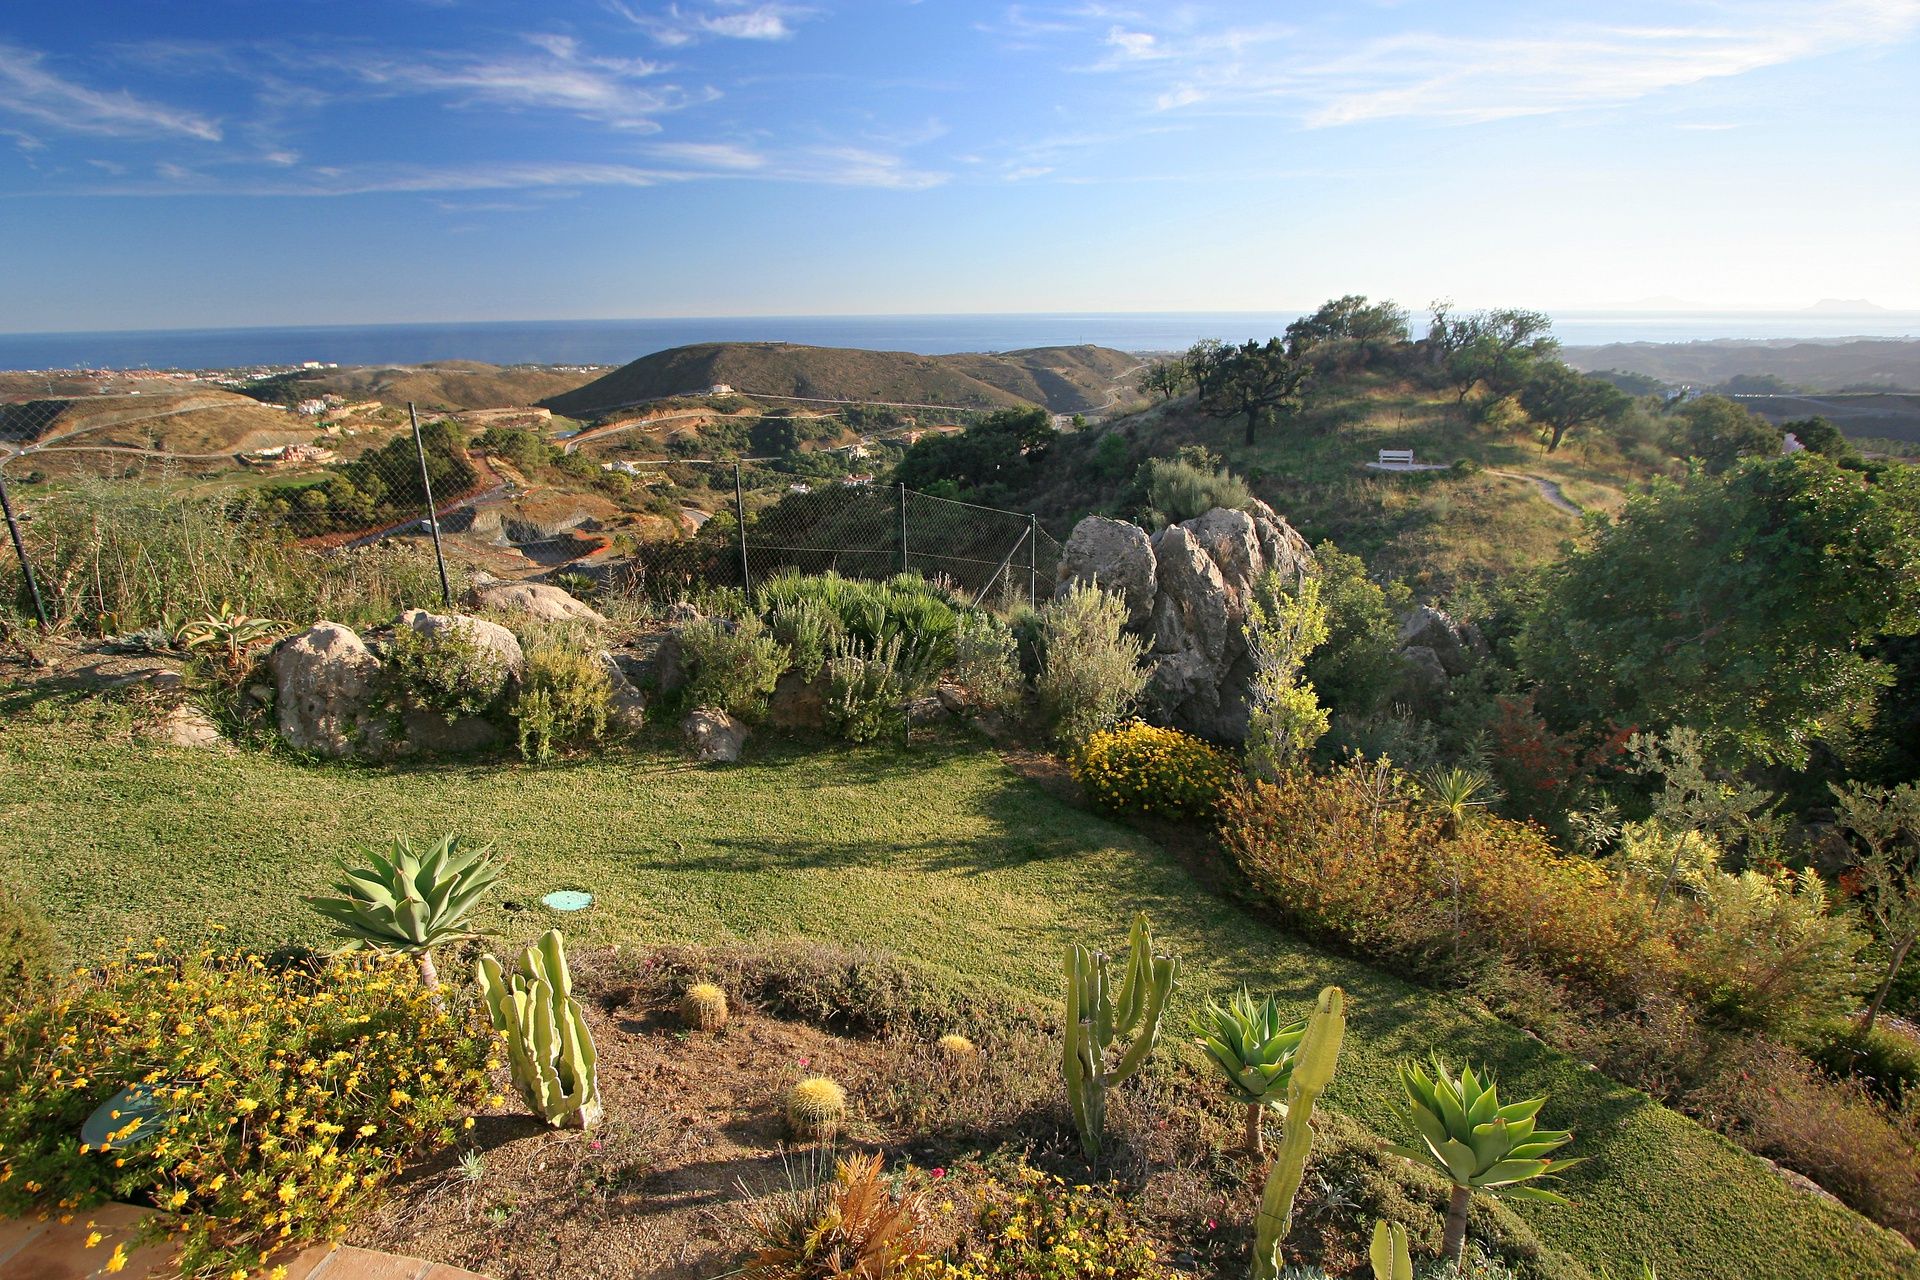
x,y
956,1048
704,1007
229,630
1254,1046
411,901
1318,1054
548,1043
1099,1011
1477,1143
816,1107
1388,1253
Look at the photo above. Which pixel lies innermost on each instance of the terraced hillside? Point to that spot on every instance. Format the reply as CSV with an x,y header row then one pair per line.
x,y
444,385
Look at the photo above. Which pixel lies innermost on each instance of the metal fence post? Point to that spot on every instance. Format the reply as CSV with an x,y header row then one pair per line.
x,y
433,518
1033,561
740,519
903,528
20,550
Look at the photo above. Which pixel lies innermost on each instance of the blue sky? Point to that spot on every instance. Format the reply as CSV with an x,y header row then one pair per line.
x,y
331,161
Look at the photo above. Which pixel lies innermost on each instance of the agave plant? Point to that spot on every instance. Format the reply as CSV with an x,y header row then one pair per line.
x,y
1477,1143
228,629
1254,1047
410,901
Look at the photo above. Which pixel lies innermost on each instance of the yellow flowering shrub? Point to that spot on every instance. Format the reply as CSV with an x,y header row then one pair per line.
x,y
1137,768
1035,1226
286,1095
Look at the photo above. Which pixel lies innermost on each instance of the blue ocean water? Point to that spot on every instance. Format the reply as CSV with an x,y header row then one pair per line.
x,y
618,341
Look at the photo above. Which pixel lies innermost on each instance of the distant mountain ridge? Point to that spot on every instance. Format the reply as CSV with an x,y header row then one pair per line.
x,y
1890,363
1061,379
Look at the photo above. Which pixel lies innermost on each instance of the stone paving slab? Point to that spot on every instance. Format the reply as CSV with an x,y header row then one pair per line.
x,y
48,1249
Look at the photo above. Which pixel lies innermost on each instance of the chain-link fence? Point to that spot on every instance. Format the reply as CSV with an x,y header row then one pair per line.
x,y
853,527
330,481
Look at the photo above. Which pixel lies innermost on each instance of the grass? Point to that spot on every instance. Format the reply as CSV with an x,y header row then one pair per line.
x,y
940,854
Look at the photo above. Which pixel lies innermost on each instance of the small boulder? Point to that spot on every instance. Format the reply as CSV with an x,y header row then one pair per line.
x,y
927,710
534,599
327,692
798,703
1422,670
629,713
1431,628
1114,555
653,662
951,696
714,736
185,726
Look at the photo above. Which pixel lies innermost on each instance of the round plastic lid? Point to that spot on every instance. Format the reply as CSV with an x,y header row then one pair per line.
x,y
568,900
117,1112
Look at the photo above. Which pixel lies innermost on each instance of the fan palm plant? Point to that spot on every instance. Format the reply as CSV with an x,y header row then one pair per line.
x,y
1254,1046
411,901
1477,1143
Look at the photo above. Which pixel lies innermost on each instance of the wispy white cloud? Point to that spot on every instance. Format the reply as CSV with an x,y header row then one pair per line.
x,y
1466,78
677,24
30,88
554,73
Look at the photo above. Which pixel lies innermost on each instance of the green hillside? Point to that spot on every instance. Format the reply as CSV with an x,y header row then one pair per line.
x,y
1433,529
1062,379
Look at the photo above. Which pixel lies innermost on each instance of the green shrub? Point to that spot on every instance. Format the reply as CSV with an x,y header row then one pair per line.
x,y
448,672
1183,487
300,1091
28,956
986,662
1887,1062
1090,672
923,617
1137,768
865,691
809,631
1770,954
564,698
731,666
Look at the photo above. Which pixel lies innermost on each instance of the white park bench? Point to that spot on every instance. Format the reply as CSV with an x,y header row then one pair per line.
x,y
1402,456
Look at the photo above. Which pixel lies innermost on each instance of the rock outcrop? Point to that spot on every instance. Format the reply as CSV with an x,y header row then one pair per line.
x,y
1187,590
490,638
327,692
535,599
714,736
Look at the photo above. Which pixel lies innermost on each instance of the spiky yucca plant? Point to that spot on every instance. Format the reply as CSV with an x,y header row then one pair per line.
x,y
851,1226
410,901
1477,1143
1254,1046
228,629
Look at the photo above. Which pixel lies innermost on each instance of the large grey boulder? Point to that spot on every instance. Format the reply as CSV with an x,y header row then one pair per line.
x,y
654,662
1195,580
1423,672
327,692
1430,628
798,703
713,736
534,599
1115,555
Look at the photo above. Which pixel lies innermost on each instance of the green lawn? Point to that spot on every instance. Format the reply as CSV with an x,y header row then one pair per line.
x,y
939,853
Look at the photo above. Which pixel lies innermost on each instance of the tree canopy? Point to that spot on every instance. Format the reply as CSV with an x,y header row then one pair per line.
x,y
1560,399
1261,380
986,453
1496,347
1720,432
1741,604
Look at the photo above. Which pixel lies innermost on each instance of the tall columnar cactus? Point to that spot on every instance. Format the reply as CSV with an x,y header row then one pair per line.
x,y
1099,1013
1391,1258
1313,1066
548,1044
1477,1143
1254,1047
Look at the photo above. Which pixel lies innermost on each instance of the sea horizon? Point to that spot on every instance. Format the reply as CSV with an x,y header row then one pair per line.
x,y
613,342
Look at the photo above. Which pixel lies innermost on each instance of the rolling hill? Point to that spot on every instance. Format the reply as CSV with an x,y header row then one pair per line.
x,y
1062,379
442,385
202,423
